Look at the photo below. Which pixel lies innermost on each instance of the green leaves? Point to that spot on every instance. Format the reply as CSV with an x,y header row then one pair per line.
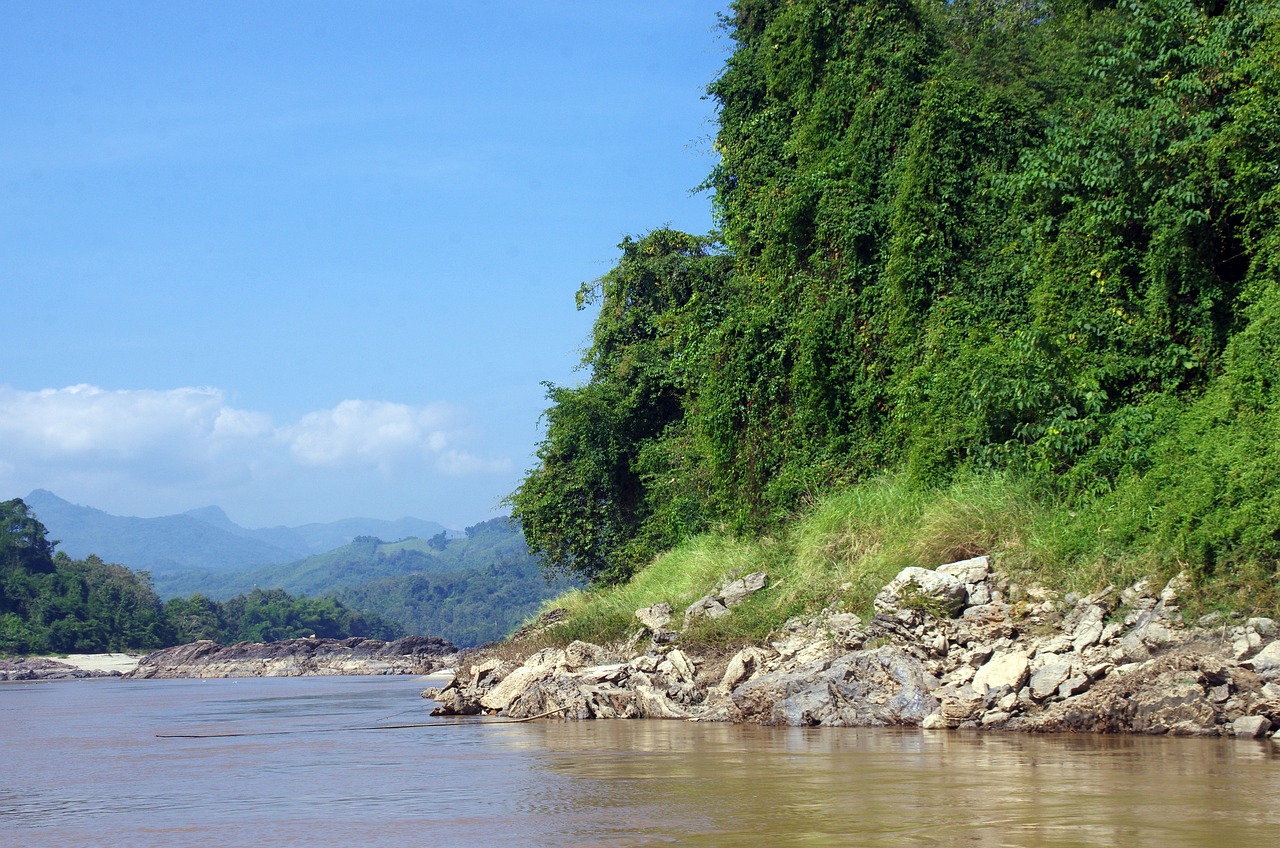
x,y
959,236
589,507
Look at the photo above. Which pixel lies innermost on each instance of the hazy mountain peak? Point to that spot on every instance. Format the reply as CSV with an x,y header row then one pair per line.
x,y
204,538
212,515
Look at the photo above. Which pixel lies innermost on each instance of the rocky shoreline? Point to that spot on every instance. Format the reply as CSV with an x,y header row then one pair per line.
x,y
45,668
952,647
297,658
287,658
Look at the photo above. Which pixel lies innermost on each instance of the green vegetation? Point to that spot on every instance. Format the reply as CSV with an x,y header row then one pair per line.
x,y
466,607
269,616
52,603
470,589
989,278
842,552
477,589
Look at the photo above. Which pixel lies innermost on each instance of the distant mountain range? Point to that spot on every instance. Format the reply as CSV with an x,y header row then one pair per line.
x,y
204,539
470,587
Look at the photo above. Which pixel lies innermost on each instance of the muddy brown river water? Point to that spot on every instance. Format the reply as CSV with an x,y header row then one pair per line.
x,y
81,765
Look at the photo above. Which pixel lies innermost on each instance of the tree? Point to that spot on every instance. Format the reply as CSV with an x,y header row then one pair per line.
x,y
588,507
25,555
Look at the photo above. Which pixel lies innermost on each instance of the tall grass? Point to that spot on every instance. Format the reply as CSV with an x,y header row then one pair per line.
x,y
838,555
853,542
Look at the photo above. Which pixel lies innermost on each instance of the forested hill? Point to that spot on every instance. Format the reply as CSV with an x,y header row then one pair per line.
x,y
474,588
1030,241
51,602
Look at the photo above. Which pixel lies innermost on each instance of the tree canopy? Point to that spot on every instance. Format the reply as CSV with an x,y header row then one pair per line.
x,y
1034,238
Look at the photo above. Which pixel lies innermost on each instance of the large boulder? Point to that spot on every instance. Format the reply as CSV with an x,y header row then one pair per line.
x,y
922,589
869,688
541,665
1266,662
717,603
1251,727
1051,671
1007,671
1167,695
655,617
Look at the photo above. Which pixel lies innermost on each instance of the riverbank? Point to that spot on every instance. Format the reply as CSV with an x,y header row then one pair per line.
x,y
418,655
70,667
958,646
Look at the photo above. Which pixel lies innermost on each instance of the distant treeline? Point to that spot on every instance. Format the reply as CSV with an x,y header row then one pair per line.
x,y
52,603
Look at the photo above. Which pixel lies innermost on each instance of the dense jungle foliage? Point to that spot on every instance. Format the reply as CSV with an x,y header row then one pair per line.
x,y
52,603
1031,241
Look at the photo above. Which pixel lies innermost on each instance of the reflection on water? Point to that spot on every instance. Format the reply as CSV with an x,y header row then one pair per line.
x,y
81,765
727,785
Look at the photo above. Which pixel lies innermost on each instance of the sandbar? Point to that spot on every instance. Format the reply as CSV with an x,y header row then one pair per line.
x,y
123,663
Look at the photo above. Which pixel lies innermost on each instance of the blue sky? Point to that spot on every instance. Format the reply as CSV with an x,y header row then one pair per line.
x,y
310,260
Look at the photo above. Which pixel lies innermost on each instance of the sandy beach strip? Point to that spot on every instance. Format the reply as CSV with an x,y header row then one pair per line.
x,y
123,663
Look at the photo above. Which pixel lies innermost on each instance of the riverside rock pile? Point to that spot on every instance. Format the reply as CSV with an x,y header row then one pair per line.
x,y
299,657
946,648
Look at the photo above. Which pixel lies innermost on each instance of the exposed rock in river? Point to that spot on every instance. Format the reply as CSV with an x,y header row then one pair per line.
x,y
42,668
299,657
946,648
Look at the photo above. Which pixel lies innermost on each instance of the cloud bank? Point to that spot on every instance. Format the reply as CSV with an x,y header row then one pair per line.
x,y
93,441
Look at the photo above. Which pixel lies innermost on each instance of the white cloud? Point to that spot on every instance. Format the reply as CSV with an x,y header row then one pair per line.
x,y
84,438
156,437
85,421
361,432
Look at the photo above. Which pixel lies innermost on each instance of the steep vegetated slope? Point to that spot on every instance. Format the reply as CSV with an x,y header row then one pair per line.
x,y
963,247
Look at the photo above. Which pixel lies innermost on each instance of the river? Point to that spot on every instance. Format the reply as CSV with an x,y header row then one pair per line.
x,y
83,763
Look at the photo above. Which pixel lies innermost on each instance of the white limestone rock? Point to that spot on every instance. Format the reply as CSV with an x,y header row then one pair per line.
x,y
1009,670
655,617
921,588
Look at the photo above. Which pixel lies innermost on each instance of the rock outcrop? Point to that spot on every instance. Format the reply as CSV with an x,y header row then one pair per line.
x,y
952,647
41,668
298,657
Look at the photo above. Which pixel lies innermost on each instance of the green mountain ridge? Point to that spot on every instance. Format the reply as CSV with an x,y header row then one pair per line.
x,y
472,588
363,559
51,602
